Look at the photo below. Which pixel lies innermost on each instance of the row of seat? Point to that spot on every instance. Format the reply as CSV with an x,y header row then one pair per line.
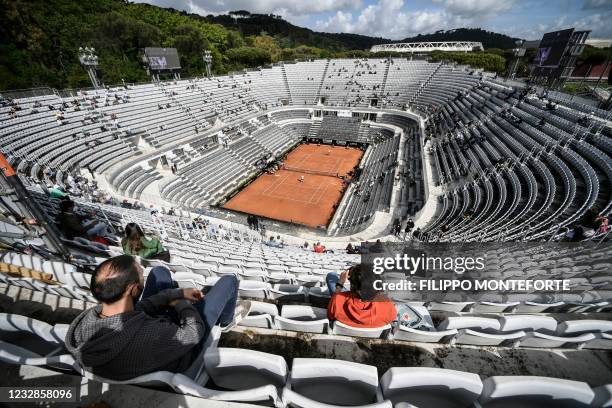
x,y
233,374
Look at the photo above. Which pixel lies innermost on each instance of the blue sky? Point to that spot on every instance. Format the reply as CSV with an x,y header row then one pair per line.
x,y
397,19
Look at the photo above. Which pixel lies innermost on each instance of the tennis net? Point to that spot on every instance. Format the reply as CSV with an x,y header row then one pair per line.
x,y
311,171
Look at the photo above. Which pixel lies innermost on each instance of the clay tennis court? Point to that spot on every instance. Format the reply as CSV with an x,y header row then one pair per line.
x,y
282,196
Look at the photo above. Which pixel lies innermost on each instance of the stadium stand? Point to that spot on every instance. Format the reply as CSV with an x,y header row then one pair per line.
x,y
511,164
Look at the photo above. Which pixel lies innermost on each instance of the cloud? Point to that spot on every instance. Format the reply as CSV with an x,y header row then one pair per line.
x,y
294,7
597,4
476,8
598,23
375,20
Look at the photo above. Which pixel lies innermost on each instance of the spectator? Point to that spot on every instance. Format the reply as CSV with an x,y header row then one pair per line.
x,y
271,242
305,246
56,192
73,225
136,243
408,228
350,249
361,306
318,248
141,327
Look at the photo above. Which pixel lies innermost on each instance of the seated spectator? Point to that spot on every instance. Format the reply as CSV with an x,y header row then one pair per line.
x,y
318,248
140,328
271,242
136,243
56,192
73,225
350,249
361,306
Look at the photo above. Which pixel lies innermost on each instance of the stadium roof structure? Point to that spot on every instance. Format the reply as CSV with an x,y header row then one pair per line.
x,y
429,46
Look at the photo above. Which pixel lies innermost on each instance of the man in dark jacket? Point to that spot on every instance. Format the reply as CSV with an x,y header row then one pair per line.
x,y
73,225
126,337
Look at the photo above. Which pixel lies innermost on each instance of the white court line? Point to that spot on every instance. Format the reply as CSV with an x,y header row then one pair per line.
x,y
314,193
275,185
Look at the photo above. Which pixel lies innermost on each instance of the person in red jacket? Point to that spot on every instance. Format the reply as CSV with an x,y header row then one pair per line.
x,y
360,306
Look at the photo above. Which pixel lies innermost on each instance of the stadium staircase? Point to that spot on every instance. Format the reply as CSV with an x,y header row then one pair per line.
x,y
286,81
322,80
422,87
313,132
384,81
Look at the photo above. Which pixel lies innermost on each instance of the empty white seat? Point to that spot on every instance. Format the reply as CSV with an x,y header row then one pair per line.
x,y
533,391
316,381
583,326
241,369
603,396
295,293
430,387
600,341
448,306
280,277
253,289
478,338
253,274
261,315
544,340
189,280
342,329
493,307
469,322
424,336
535,307
527,322
27,261
302,319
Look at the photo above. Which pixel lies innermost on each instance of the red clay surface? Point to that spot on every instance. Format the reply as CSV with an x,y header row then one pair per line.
x,y
282,196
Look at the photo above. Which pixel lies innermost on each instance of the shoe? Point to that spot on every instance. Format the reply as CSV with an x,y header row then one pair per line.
x,y
243,307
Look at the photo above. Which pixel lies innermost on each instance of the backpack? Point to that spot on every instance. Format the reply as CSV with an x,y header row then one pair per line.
x,y
409,317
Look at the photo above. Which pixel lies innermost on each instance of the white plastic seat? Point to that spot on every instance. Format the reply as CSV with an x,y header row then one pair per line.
x,y
448,306
228,270
527,322
430,387
584,326
253,289
309,280
261,315
17,323
302,319
318,382
253,274
493,307
295,293
26,261
240,369
543,340
471,322
189,280
535,307
600,341
342,329
280,277
534,392
603,396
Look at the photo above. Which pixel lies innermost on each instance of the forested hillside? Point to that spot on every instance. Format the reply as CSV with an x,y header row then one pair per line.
x,y
40,41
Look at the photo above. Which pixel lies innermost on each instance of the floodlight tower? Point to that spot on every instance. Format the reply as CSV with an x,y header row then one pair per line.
x,y
518,53
207,57
89,60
